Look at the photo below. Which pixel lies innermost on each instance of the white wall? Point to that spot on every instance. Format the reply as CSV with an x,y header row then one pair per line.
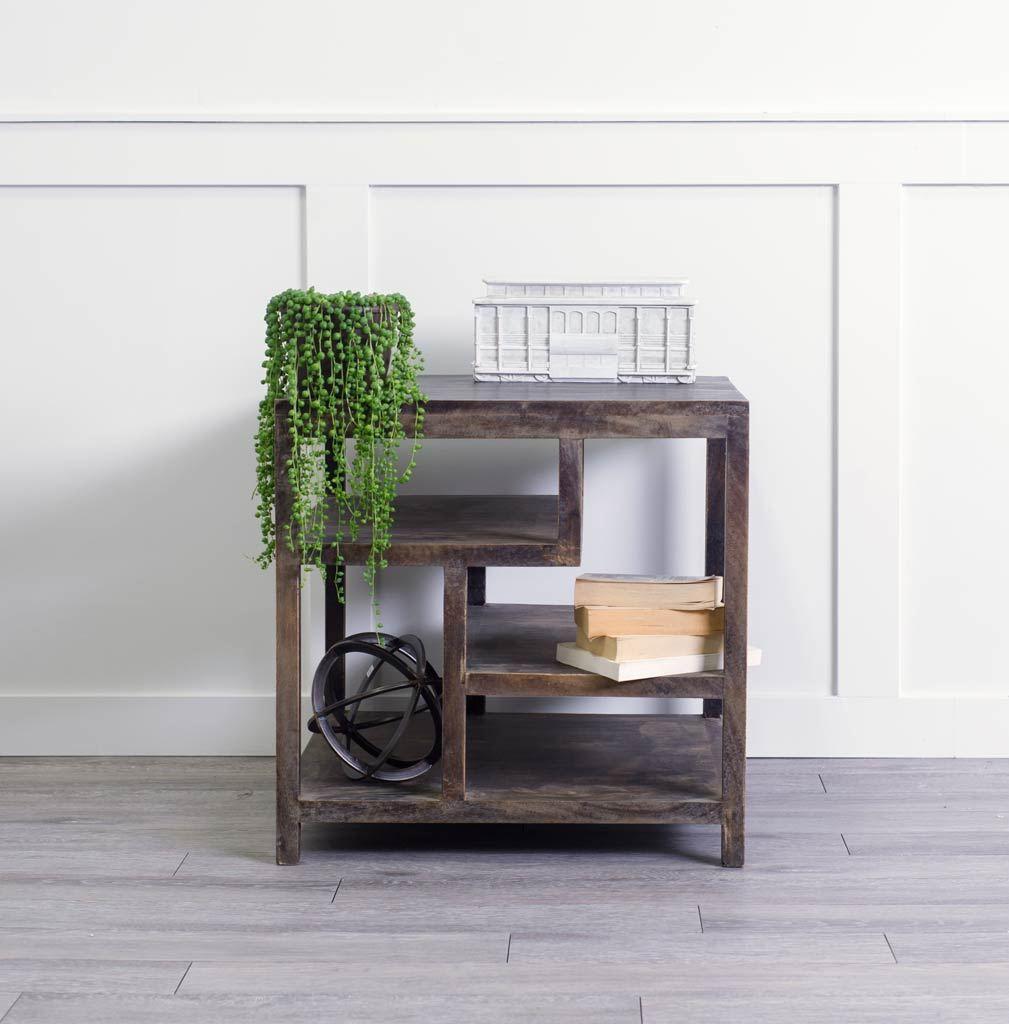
x,y
326,58
843,272
955,477
641,505
131,380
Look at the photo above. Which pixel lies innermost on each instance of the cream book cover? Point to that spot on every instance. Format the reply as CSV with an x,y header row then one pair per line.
x,y
648,668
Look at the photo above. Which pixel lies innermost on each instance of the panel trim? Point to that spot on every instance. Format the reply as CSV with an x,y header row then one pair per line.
x,y
436,116
567,154
868,439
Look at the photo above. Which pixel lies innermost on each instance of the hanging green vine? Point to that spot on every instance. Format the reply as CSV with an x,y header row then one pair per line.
x,y
348,365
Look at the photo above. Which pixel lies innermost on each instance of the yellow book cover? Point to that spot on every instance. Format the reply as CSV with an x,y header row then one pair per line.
x,y
635,648
597,621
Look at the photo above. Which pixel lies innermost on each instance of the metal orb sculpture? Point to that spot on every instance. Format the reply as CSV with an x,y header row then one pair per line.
x,y
364,732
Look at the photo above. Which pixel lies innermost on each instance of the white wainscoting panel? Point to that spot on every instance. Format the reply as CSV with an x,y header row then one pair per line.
x,y
850,279
868,437
955,424
760,263
133,323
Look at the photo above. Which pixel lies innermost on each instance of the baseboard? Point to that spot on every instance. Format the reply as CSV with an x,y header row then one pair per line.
x,y
784,726
102,724
778,726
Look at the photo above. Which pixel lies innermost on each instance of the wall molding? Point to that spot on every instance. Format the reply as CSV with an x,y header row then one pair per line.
x,y
338,117
499,153
338,164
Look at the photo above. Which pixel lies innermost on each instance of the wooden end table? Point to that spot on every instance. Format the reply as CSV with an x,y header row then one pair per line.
x,y
537,767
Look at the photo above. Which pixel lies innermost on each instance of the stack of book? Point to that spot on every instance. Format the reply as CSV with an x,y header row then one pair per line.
x,y
638,627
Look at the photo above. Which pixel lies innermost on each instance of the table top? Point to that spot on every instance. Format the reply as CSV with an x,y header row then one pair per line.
x,y
461,407
460,388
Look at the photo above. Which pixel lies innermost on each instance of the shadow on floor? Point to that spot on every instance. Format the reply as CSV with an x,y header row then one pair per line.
x,y
697,843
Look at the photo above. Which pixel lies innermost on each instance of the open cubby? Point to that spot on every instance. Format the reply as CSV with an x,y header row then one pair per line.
x,y
543,768
538,767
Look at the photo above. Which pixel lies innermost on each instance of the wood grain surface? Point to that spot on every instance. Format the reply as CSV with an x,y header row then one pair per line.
x,y
460,407
287,567
512,652
514,648
543,768
483,529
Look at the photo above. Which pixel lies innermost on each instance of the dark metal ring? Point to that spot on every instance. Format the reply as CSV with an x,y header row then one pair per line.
x,y
337,719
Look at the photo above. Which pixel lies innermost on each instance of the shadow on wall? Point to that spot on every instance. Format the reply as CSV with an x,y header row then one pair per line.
x,y
141,581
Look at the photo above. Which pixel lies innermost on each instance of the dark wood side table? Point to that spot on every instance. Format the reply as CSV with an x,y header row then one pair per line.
x,y
538,767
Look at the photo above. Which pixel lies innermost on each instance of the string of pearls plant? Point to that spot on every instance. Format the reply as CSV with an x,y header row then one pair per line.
x,y
348,365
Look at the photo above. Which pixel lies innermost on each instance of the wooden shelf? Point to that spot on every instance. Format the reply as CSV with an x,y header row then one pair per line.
x,y
543,768
458,406
535,768
511,652
485,529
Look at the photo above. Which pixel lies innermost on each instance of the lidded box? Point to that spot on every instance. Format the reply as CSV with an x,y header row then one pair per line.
x,y
636,329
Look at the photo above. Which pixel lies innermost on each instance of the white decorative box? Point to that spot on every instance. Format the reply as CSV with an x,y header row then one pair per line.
x,y
618,329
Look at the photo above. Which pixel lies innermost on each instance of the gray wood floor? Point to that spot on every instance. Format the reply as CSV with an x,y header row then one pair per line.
x,y
145,890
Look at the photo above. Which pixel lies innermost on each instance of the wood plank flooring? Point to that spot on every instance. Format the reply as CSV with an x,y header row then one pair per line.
x,y
144,890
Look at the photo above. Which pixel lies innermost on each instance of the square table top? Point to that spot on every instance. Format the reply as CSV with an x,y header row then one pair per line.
x,y
460,407
462,389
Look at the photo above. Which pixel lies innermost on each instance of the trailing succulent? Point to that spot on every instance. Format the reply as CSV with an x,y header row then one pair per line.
x,y
347,364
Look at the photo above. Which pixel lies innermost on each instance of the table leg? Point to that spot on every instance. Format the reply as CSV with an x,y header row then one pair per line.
x,y
734,701
453,778
476,595
288,599
714,530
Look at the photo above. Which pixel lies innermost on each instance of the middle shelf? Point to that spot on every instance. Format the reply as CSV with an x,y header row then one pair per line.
x,y
510,652
485,529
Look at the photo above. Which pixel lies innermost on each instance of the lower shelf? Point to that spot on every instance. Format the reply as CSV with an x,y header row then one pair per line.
x,y
511,651
633,769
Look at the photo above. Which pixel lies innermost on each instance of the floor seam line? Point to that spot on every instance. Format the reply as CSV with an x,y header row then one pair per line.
x,y
820,777
846,846
181,980
641,1010
508,952
338,884
11,1007
700,918
181,862
890,947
